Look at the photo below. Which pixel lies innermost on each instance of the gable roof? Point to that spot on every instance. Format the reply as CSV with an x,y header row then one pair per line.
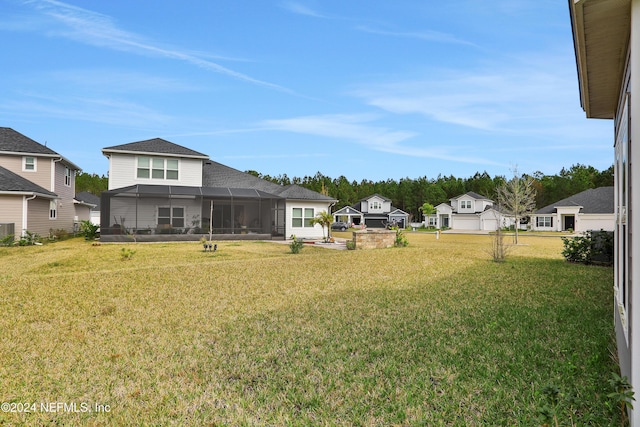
x,y
346,211
155,146
376,195
89,198
13,142
297,192
216,174
594,200
472,195
11,182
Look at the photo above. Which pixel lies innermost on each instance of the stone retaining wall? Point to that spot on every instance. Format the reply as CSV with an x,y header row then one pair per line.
x,y
374,239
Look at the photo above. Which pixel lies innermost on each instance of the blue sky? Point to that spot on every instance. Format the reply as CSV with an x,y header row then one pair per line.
x,y
366,89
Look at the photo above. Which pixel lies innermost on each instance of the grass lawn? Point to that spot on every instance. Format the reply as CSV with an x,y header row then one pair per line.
x,y
431,334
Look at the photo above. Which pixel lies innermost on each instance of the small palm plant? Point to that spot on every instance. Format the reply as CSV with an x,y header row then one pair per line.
x,y
325,219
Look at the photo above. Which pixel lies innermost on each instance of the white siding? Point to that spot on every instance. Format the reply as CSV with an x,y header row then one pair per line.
x,y
587,222
314,232
123,168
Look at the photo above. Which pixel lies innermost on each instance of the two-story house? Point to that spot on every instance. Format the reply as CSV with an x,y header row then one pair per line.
x,y
374,211
37,187
606,38
470,211
159,190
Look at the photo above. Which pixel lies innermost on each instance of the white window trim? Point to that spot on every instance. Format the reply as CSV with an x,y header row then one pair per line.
x,y
67,176
24,164
150,168
541,221
305,219
53,210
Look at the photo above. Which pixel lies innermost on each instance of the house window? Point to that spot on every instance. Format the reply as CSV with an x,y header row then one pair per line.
x,y
29,164
143,167
67,177
465,204
433,221
172,169
302,217
173,216
544,221
374,205
53,209
157,168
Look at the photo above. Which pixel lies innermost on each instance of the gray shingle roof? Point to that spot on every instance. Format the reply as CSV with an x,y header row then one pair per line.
x,y
386,199
294,191
155,145
594,200
85,196
218,175
15,142
473,195
10,182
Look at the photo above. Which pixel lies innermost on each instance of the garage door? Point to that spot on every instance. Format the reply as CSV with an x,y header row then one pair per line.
x,y
468,223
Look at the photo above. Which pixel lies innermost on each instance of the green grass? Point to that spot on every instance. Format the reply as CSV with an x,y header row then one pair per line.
x,y
431,334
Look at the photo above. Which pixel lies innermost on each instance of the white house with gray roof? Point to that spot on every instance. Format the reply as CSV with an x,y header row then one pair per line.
x,y
591,209
37,187
469,211
159,190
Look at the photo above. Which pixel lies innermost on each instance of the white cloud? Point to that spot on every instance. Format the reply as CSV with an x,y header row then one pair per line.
x,y
86,26
427,35
356,128
498,100
301,9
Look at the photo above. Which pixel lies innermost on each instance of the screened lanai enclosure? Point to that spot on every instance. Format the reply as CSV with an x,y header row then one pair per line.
x,y
165,213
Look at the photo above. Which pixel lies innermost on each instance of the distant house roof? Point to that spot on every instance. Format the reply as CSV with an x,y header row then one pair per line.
x,y
13,183
218,175
594,200
155,146
472,195
16,143
89,198
376,195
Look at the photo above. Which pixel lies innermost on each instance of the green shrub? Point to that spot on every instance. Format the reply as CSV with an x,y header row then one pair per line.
x,y
400,240
296,244
29,239
126,254
8,240
592,247
89,230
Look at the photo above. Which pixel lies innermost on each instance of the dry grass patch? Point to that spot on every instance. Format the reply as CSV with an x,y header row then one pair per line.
x,y
434,333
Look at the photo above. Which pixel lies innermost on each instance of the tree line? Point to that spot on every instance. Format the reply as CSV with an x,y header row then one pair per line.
x,y
409,194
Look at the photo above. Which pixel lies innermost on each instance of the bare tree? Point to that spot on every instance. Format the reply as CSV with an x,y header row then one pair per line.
x,y
517,197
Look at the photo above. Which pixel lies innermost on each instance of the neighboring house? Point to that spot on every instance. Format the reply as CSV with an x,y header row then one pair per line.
x,y
159,190
90,210
37,186
374,211
606,35
470,211
590,210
